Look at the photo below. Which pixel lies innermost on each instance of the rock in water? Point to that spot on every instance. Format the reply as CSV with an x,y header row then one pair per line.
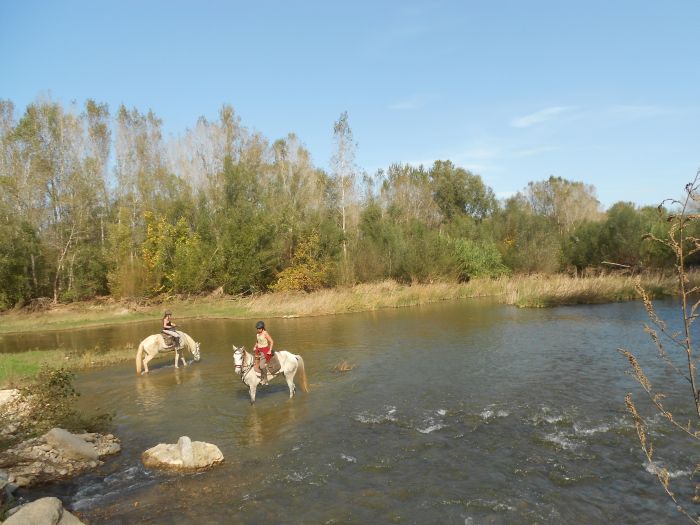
x,y
69,445
183,455
44,511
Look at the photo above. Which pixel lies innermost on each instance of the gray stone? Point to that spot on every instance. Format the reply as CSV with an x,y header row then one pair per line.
x,y
186,452
183,455
70,445
44,511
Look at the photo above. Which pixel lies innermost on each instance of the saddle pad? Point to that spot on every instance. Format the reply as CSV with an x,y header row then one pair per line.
x,y
274,366
168,339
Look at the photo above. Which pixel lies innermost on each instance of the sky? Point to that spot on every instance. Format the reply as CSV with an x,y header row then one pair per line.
x,y
602,92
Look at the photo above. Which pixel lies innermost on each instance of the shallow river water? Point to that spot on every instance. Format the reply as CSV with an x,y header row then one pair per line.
x,y
461,412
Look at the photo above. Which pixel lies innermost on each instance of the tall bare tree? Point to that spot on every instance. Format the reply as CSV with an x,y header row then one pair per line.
x,y
345,173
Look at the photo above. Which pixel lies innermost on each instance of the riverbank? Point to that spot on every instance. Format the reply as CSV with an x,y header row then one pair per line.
x,y
522,291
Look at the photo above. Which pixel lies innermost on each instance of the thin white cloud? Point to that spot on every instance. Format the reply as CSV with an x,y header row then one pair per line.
x,y
538,117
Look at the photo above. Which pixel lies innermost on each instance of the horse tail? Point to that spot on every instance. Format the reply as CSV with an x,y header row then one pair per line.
x,y
139,358
302,374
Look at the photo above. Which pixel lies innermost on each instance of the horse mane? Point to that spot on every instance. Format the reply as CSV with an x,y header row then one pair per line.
x,y
190,342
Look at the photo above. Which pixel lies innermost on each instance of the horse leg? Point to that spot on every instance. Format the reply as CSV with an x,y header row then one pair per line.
x,y
177,358
290,384
253,388
145,363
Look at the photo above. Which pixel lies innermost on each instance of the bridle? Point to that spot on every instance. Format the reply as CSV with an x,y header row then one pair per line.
x,y
245,368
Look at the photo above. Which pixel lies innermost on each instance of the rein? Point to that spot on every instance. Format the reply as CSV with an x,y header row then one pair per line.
x,y
243,365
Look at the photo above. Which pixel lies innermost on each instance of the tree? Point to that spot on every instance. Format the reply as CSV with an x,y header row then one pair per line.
x,y
459,192
308,271
407,192
143,184
528,241
620,237
565,202
344,171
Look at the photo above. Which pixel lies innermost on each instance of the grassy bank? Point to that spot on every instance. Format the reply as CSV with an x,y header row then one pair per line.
x,y
18,369
522,291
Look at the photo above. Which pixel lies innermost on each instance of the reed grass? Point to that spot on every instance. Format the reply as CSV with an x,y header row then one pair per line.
x,y
523,291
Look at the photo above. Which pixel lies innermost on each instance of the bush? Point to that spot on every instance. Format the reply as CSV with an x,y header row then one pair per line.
x,y
50,402
477,259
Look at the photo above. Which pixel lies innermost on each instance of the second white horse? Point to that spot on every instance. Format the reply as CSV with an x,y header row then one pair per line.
x,y
155,343
289,365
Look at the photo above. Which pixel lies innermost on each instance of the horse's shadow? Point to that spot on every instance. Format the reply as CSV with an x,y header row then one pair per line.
x,y
261,426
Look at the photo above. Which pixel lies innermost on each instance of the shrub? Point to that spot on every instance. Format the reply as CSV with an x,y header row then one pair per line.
x,y
50,402
477,259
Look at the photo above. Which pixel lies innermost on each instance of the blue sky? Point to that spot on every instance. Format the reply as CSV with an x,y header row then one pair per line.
x,y
604,92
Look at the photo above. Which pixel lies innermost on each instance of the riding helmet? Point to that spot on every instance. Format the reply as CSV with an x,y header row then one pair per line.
x,y
259,324
167,313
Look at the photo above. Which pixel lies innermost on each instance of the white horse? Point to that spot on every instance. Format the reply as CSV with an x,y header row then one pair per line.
x,y
155,343
289,364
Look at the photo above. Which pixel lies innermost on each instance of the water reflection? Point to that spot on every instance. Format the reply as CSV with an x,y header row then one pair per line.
x,y
262,426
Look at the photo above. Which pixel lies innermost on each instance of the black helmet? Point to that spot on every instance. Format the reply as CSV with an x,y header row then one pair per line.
x,y
167,313
259,324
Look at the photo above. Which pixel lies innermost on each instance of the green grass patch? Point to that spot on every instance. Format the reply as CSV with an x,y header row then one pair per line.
x,y
16,369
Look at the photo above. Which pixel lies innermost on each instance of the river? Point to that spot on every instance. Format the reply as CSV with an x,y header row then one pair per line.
x,y
463,412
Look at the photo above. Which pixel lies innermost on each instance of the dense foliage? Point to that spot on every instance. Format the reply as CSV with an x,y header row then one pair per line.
x,y
94,204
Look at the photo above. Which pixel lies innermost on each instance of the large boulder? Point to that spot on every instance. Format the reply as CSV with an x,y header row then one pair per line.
x,y
70,445
58,454
44,511
183,455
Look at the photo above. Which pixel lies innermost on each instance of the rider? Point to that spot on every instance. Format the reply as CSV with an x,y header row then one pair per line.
x,y
263,346
169,327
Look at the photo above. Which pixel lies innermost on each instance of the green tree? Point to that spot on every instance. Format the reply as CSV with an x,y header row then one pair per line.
x,y
529,242
308,271
459,192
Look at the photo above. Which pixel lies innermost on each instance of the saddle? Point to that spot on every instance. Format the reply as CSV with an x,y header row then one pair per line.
x,y
274,366
271,368
170,341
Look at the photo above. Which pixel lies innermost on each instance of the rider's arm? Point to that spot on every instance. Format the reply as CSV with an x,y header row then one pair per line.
x,y
269,338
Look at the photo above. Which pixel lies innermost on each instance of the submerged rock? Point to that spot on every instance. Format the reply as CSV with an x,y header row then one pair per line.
x,y
44,511
183,455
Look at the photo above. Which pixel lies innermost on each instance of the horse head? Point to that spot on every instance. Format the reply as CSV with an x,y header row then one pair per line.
x,y
238,358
